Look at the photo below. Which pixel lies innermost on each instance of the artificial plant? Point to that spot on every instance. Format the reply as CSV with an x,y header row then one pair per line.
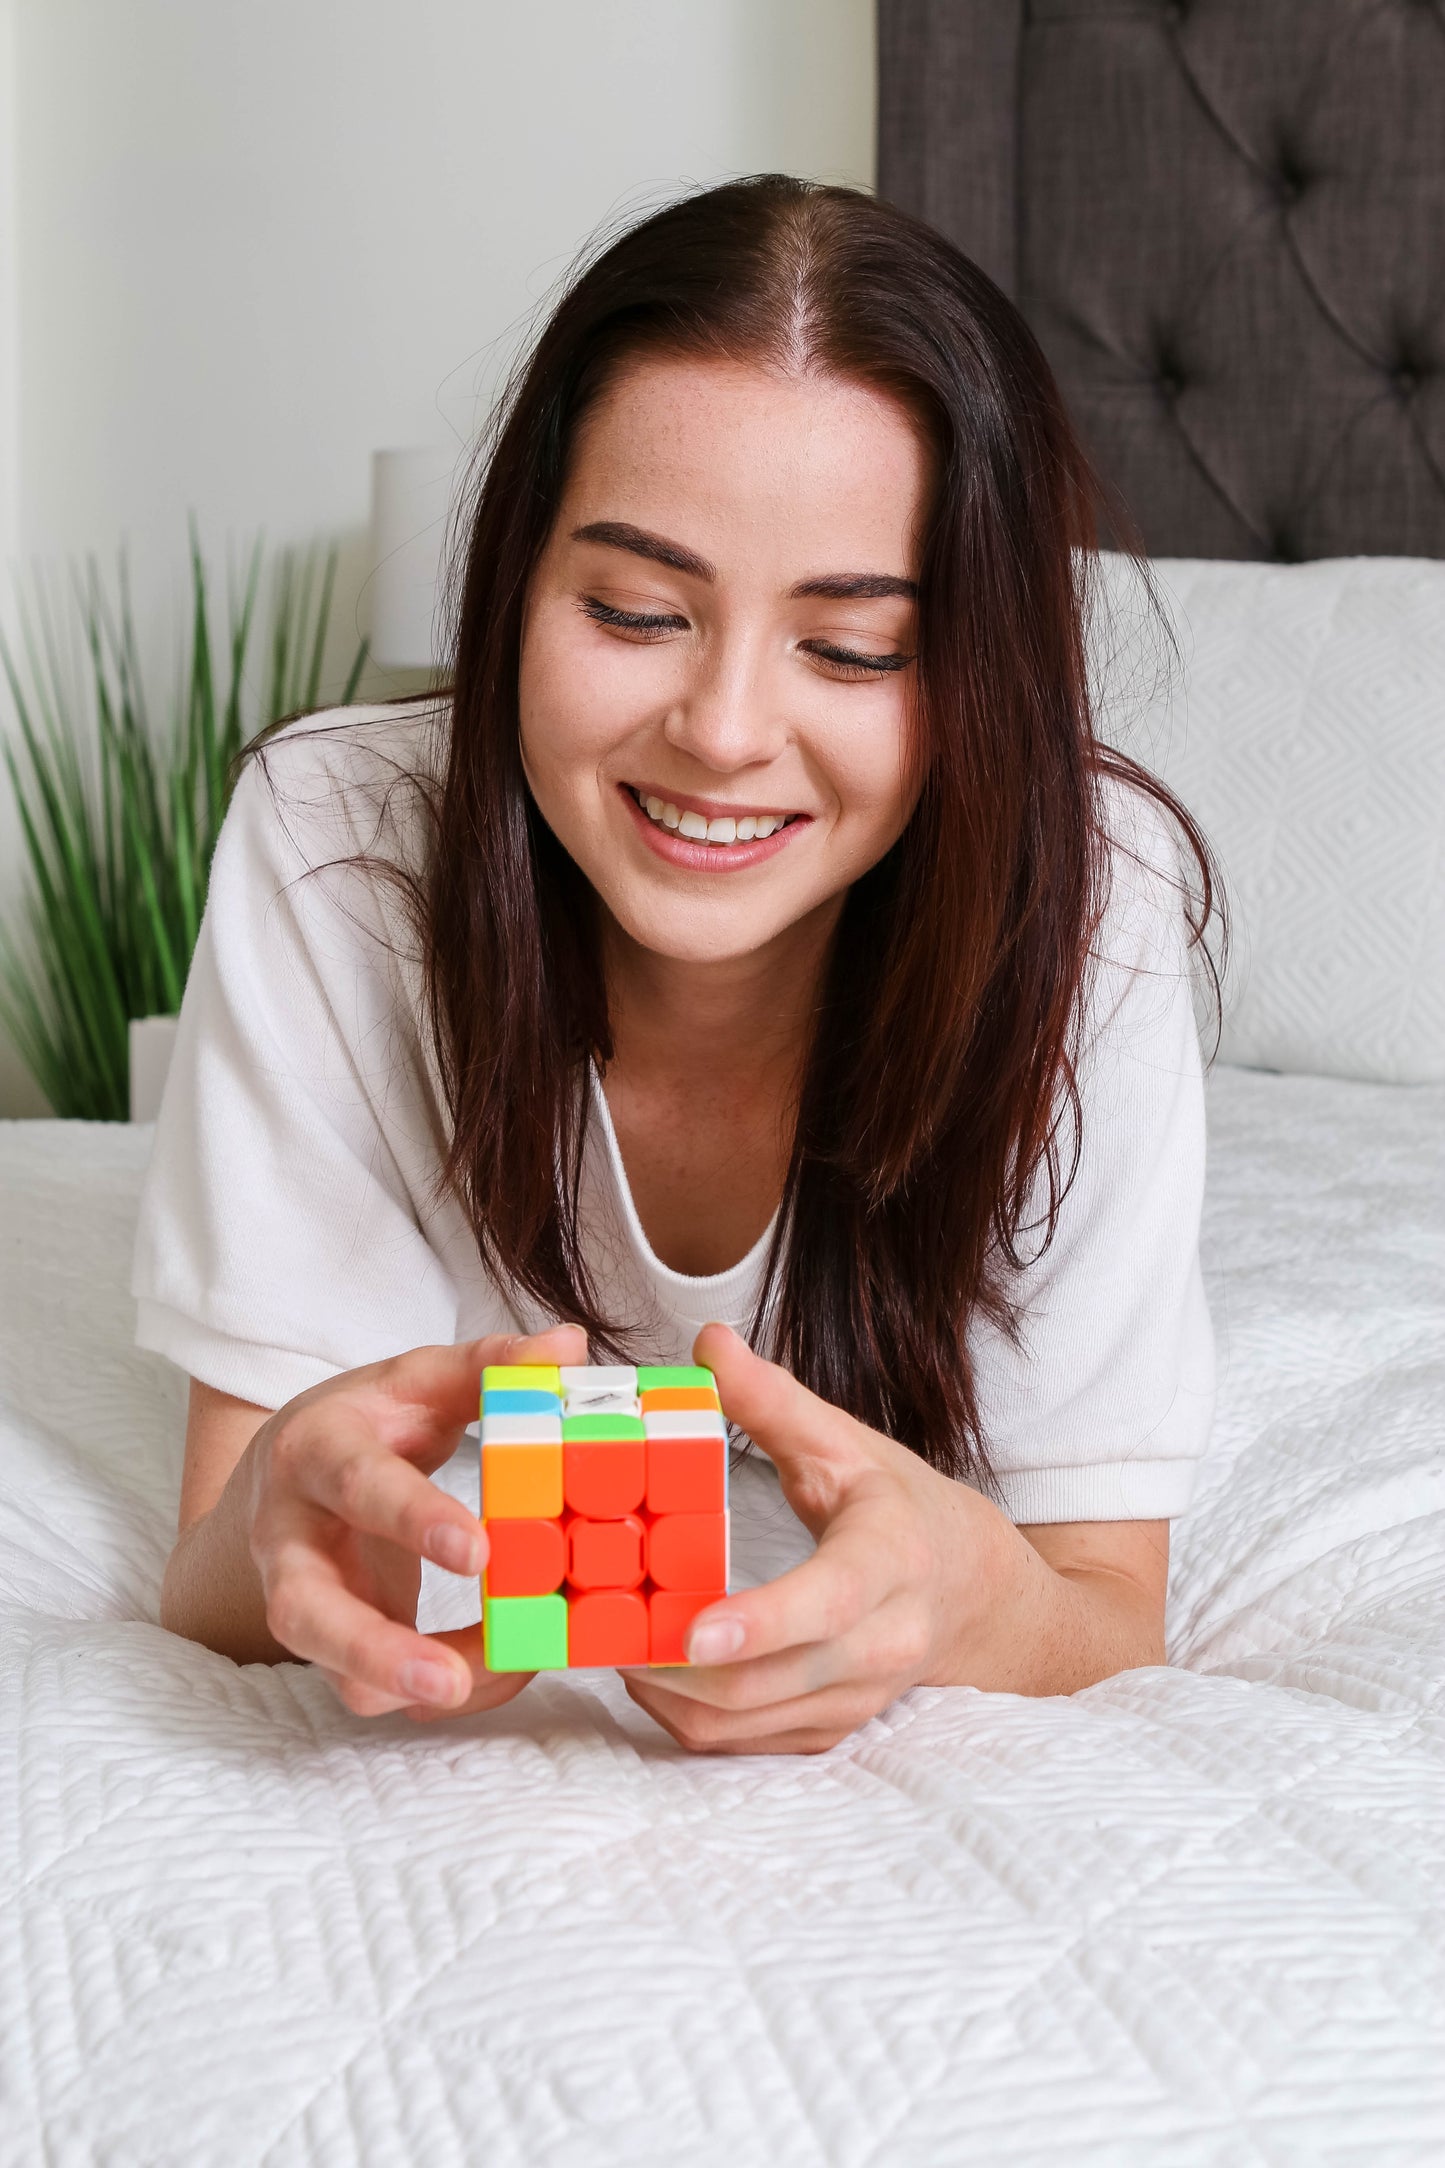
x,y
120,820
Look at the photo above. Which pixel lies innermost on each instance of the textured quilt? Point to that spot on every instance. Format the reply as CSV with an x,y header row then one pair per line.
x,y
1192,1915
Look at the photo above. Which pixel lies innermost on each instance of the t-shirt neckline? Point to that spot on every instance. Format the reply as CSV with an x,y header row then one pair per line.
x,y
731,1292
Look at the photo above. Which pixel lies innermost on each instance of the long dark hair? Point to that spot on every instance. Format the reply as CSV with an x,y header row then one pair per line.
x,y
941,1075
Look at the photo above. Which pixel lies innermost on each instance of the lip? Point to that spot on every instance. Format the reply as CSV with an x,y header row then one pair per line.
x,y
713,809
676,850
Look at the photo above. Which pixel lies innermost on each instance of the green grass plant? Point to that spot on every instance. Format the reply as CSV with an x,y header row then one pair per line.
x,y
119,819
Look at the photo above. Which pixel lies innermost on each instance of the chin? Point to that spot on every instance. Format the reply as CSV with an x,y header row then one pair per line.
x,y
696,936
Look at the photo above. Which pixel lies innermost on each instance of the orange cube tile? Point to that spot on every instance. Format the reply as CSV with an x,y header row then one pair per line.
x,y
605,1554
688,1551
527,1558
521,1482
608,1626
604,1478
686,1475
664,1398
669,1616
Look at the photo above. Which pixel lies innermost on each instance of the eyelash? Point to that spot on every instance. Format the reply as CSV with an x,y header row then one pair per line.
x,y
654,628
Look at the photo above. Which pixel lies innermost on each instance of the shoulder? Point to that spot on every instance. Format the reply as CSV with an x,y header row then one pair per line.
x,y
1139,956
346,781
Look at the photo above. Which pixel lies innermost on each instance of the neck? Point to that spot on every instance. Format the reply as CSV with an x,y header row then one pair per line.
x,y
740,1019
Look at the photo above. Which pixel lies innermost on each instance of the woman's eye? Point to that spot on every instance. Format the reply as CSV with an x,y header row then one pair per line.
x,y
848,663
642,624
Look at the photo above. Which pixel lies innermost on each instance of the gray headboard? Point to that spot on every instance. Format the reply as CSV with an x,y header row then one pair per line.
x,y
1225,221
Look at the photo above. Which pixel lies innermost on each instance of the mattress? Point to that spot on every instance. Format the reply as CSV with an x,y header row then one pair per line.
x,y
1191,1915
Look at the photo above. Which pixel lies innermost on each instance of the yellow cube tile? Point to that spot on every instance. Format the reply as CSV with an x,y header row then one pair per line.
x,y
521,1482
522,1378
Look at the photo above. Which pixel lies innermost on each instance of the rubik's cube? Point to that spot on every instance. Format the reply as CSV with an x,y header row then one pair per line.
x,y
604,1496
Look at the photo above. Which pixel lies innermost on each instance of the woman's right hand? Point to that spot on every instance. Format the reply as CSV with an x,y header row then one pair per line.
x,y
341,1513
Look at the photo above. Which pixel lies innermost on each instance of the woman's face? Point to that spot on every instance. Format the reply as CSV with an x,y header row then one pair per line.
x,y
716,678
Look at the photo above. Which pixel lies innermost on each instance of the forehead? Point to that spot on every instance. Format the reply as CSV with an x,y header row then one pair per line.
x,y
751,465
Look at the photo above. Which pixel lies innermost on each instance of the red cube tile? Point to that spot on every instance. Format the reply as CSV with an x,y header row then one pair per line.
x,y
526,1558
608,1626
686,1475
688,1551
605,1554
670,1614
603,1478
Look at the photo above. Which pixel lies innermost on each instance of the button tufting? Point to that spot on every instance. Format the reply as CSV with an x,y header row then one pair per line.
x,y
1171,383
1407,380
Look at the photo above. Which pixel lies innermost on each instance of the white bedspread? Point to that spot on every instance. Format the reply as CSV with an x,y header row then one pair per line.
x,y
1189,1916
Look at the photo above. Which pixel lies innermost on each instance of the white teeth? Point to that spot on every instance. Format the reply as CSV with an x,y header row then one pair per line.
x,y
722,831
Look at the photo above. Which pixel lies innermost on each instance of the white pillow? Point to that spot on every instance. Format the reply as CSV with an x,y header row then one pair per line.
x,y
1306,733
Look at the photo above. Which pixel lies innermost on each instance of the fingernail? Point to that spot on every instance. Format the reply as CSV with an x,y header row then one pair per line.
x,y
453,1548
430,1682
715,1640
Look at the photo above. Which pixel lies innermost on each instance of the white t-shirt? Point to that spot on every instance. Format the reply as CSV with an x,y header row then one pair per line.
x,y
288,1228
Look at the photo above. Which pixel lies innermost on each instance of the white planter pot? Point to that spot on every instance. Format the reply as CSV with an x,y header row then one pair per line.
x,y
151,1041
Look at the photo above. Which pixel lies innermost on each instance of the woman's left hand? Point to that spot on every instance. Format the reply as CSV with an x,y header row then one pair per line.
x,y
916,1580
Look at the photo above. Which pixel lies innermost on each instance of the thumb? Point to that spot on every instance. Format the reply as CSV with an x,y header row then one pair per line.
x,y
558,1344
812,1444
446,1380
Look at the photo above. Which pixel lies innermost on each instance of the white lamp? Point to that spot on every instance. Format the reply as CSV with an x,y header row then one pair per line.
x,y
410,500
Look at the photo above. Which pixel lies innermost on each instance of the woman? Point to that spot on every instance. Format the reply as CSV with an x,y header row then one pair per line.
x,y
759,934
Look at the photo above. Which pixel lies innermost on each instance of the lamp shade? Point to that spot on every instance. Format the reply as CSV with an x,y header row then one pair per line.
x,y
410,500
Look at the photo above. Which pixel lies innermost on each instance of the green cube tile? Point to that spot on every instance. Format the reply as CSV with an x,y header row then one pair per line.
x,y
675,1375
525,1633
576,1428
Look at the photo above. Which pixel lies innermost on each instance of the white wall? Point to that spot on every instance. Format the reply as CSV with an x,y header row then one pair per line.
x,y
253,242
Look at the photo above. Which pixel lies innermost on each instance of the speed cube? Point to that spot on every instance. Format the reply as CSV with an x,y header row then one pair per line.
x,y
604,1496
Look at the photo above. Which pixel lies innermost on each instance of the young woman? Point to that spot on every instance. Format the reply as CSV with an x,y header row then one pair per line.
x,y
757,939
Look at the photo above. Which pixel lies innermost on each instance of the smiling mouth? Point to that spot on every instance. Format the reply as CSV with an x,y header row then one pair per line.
x,y
724,830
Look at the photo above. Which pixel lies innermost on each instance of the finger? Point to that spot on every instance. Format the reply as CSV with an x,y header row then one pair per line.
x,y
423,1398
447,1381
854,1571
373,1490
815,1447
786,1676
363,1700
312,1614
489,1688
808,1725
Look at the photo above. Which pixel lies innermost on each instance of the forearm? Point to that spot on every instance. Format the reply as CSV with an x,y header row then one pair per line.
x,y
1059,1620
212,1591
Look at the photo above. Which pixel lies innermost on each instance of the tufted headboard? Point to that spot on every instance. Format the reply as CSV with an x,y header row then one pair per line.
x,y
1225,220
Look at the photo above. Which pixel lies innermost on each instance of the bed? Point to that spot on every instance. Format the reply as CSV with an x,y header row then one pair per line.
x,y
1189,1916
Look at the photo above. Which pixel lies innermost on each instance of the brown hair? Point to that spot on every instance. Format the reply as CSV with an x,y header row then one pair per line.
x,y
941,1074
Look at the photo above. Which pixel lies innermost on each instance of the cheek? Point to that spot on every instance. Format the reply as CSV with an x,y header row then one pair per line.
x,y
862,748
579,696
557,714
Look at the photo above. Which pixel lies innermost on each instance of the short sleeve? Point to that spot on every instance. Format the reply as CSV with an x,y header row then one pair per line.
x,y
278,1239
1103,1411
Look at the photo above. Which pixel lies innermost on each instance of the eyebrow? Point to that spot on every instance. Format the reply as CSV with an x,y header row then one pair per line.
x,y
620,534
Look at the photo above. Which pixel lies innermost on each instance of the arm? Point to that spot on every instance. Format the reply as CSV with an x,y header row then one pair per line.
x,y
212,1591
917,1580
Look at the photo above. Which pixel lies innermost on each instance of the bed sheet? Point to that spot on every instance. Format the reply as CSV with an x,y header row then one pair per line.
x,y
1192,1915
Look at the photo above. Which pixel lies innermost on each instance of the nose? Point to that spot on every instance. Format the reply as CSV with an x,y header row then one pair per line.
x,y
729,715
